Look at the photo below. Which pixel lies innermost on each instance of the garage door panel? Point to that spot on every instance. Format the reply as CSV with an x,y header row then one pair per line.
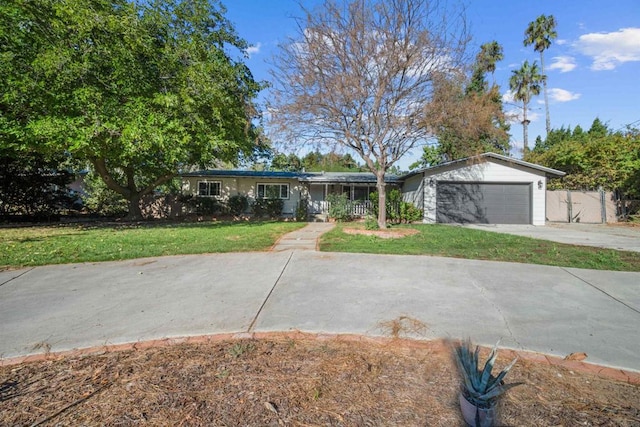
x,y
488,203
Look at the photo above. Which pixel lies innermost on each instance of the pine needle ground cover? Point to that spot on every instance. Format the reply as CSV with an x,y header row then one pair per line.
x,y
286,382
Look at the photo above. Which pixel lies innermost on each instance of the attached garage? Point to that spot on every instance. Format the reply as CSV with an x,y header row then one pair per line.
x,y
486,189
485,203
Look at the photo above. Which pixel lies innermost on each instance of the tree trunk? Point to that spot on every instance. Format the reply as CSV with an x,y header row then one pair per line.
x,y
135,213
546,96
525,131
382,200
130,192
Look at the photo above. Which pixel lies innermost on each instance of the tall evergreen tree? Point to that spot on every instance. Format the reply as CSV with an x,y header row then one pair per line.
x,y
539,33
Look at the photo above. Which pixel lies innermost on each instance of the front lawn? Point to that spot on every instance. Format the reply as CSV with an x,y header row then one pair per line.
x,y
461,242
28,246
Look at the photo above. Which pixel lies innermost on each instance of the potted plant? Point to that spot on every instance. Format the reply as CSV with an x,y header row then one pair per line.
x,y
480,389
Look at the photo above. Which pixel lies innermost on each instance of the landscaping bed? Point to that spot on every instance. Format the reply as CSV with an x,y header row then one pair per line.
x,y
295,382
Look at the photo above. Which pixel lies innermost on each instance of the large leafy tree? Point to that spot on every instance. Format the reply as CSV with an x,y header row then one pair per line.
x,y
138,90
359,73
525,84
540,33
597,158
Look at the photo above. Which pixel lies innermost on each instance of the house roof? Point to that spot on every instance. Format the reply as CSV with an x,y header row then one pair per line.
x,y
242,174
346,177
366,177
310,177
484,157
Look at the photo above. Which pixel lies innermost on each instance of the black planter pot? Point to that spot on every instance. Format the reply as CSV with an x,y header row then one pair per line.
x,y
487,417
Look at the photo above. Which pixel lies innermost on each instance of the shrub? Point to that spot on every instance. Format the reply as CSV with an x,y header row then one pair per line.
x,y
409,213
393,204
339,207
33,186
208,206
268,207
238,204
371,223
302,210
203,205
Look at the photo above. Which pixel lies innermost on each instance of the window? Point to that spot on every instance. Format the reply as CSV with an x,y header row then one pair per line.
x,y
358,192
273,191
209,188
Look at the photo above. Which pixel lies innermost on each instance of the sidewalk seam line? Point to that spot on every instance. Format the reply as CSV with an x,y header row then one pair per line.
x,y
604,292
18,276
255,319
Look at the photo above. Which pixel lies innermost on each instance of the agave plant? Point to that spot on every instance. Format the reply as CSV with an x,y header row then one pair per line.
x,y
480,386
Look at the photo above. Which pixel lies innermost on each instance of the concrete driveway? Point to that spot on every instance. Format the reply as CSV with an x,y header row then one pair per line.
x,y
545,309
610,236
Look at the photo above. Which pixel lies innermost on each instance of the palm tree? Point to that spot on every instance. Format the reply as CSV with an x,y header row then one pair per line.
x,y
539,33
524,84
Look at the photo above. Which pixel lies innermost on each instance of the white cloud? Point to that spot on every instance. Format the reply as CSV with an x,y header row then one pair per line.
x,y
253,50
514,110
561,42
608,50
507,97
561,95
562,63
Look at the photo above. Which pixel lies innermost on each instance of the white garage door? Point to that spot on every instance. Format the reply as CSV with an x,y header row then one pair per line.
x,y
485,203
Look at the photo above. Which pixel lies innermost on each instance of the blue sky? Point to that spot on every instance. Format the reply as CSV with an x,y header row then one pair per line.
x,y
593,67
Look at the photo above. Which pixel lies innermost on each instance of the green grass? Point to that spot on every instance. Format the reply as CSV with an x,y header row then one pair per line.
x,y
461,242
30,246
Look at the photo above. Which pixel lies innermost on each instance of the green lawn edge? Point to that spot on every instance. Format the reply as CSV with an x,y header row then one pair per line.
x,y
461,242
64,244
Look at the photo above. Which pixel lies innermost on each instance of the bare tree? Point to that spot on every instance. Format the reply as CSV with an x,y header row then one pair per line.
x,y
359,74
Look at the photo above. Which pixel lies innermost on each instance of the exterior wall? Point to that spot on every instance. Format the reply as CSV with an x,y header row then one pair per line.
x,y
488,172
413,191
231,186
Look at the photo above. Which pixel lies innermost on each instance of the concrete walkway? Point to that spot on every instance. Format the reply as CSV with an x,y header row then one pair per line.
x,y
551,310
305,238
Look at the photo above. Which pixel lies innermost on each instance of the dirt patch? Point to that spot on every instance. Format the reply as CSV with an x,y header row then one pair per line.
x,y
632,224
390,233
286,382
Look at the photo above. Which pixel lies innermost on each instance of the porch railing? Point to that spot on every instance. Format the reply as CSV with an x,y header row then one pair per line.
x,y
358,209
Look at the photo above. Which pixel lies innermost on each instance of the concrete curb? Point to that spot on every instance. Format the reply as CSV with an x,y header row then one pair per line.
x,y
438,345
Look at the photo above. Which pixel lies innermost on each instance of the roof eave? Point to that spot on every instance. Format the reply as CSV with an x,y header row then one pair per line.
x,y
549,172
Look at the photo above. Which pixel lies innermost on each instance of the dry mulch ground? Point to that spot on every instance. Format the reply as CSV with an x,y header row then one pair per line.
x,y
286,382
